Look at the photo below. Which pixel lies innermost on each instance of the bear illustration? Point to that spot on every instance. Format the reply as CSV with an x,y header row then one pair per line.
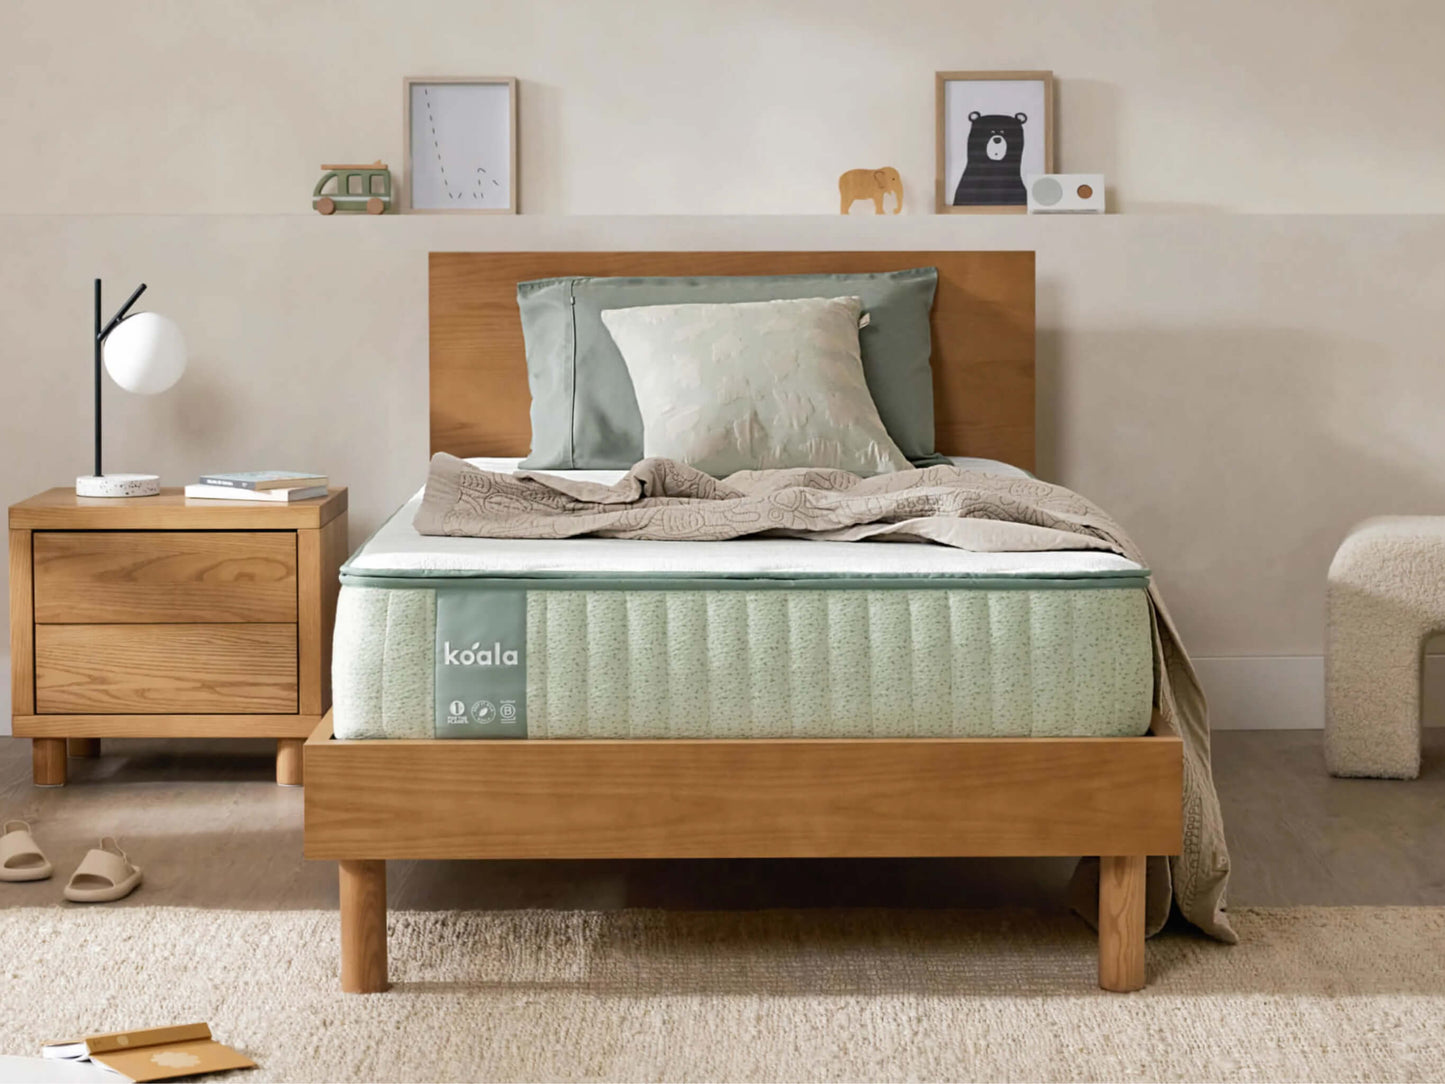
x,y
992,177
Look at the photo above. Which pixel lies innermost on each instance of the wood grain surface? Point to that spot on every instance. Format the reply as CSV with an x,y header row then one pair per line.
x,y
289,760
983,338
320,554
144,669
363,927
1121,922
94,577
22,625
61,510
226,725
240,843
747,798
48,767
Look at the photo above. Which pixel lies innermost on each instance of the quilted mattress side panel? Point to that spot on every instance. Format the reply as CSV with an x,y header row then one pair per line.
x,y
930,662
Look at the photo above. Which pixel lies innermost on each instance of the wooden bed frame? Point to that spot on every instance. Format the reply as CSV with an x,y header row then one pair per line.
x,y
370,801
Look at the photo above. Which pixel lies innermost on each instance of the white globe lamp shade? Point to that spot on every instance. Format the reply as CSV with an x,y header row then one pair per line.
x,y
146,353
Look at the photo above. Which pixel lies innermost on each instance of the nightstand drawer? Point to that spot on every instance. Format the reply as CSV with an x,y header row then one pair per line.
x,y
165,669
102,577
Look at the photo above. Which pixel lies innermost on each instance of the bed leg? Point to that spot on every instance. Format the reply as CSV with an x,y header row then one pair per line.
x,y
1121,922
363,926
289,762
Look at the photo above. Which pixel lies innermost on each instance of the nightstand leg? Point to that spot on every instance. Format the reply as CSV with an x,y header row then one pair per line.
x,y
48,761
288,762
84,747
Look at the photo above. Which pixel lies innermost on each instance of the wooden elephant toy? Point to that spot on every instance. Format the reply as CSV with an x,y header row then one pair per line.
x,y
871,184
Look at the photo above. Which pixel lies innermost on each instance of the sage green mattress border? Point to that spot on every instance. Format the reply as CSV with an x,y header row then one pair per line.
x,y
1113,579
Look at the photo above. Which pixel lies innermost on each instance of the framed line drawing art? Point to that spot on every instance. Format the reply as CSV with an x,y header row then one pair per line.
x,y
994,129
461,144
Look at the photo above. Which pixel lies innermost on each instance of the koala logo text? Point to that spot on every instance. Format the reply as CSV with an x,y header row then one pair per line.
x,y
477,655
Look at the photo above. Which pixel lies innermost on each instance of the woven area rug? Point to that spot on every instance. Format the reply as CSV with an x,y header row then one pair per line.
x,y
1308,994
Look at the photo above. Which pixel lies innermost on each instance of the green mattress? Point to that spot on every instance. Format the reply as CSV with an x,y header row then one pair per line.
x,y
756,638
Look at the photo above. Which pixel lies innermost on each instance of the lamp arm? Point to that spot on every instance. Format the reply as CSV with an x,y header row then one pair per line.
x,y
120,313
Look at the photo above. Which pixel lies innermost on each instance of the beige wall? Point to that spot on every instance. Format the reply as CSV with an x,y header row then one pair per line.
x,y
706,107
1237,388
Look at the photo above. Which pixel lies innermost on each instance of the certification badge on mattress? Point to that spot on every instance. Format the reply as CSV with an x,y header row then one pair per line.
x,y
481,664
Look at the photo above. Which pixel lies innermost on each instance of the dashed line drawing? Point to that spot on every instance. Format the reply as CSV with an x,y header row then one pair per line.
x,y
468,124
432,124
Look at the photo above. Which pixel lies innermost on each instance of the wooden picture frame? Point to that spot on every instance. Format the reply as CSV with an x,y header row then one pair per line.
x,y
994,190
460,123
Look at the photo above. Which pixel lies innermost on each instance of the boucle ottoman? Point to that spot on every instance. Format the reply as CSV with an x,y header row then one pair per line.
x,y
1386,596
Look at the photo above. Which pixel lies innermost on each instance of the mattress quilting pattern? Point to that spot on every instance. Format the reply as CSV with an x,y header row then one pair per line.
x,y
843,662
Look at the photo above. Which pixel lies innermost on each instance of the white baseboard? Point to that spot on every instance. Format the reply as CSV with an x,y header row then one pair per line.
x,y
1254,692
1287,692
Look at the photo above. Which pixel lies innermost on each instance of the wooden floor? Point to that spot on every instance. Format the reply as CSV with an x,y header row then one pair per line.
x,y
210,828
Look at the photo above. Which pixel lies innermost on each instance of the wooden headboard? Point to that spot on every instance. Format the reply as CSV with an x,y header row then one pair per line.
x,y
983,338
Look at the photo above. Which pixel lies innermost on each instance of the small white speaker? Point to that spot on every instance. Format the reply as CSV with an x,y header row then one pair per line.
x,y
1065,193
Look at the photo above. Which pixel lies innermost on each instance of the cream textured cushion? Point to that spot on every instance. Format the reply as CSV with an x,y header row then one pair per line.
x,y
1386,597
754,385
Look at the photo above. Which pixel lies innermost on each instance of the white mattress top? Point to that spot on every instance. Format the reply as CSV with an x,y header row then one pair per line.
x,y
397,547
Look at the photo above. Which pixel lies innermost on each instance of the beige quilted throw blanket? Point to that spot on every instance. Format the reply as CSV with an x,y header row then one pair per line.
x,y
661,499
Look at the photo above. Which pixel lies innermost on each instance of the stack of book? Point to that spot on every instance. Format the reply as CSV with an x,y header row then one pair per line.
x,y
259,485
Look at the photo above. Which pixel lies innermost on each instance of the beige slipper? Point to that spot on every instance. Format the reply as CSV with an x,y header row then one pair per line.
x,y
20,858
105,874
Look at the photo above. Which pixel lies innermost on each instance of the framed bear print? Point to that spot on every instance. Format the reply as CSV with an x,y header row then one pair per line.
x,y
994,129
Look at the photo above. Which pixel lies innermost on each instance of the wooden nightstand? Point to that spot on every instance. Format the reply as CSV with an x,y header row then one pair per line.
x,y
165,617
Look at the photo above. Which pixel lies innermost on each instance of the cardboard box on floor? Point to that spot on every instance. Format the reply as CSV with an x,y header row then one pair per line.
x,y
155,1054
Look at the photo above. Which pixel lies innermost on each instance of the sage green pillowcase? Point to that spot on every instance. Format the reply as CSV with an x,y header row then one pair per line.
x,y
584,412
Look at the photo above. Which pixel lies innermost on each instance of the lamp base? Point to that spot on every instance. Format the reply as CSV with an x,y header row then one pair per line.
x,y
118,485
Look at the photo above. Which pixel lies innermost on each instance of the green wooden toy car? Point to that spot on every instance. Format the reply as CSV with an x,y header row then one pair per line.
x,y
358,188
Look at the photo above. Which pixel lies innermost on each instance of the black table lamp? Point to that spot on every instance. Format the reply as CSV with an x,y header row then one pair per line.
x,y
145,354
